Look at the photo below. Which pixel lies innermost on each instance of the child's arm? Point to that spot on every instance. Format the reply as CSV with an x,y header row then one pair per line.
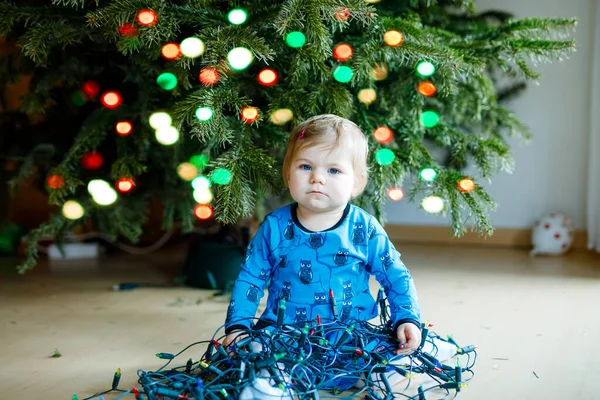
x,y
249,287
394,277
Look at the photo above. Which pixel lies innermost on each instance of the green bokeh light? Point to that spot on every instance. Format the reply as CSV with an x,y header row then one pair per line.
x,y
199,160
429,119
221,176
78,98
385,156
425,68
167,81
295,39
204,113
237,16
343,74
428,174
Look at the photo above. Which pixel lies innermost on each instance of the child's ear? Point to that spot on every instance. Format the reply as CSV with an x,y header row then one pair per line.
x,y
359,185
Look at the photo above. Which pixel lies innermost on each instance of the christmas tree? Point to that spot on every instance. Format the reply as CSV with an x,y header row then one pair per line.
x,y
191,102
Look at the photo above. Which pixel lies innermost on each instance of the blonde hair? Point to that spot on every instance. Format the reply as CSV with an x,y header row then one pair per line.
x,y
329,129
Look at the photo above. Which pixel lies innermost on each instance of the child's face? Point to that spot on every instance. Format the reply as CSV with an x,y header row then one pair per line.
x,y
322,180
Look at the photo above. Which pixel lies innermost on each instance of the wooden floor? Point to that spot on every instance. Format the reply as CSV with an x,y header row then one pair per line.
x,y
536,321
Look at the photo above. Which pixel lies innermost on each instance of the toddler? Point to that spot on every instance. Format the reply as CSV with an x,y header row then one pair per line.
x,y
319,252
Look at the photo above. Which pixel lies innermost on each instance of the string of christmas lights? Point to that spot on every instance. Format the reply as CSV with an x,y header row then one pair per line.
x,y
308,360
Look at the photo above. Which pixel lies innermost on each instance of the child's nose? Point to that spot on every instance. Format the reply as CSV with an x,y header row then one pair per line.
x,y
317,177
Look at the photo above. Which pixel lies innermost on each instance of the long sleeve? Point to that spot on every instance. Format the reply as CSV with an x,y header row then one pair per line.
x,y
393,276
249,287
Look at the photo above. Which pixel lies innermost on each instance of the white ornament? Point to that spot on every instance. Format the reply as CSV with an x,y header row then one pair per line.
x,y
552,234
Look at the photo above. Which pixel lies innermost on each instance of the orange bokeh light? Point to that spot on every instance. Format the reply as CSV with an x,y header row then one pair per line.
x,y
125,185
171,51
249,114
124,128
466,185
393,38
55,181
426,88
267,77
111,100
395,193
147,17
383,134
203,211
209,76
342,52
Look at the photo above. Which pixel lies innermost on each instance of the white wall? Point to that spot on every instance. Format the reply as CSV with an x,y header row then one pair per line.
x,y
551,171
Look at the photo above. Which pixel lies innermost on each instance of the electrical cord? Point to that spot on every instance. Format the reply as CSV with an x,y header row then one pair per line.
x,y
302,361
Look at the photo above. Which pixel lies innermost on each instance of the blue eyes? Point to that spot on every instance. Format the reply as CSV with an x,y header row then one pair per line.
x,y
333,171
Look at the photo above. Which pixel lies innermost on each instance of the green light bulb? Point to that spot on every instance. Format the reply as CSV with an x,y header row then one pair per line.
x,y
221,176
204,113
429,119
425,68
199,160
237,16
295,39
428,174
167,81
384,156
343,74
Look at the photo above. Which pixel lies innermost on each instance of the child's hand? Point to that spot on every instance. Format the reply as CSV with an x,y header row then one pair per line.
x,y
410,335
231,339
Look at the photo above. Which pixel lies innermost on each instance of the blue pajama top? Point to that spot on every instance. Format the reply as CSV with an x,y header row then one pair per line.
x,y
302,266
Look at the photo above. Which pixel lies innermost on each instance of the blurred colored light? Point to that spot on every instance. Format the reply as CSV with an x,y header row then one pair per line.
x,y
111,99
123,128
343,74
92,160
383,134
192,47
249,114
425,68
167,135
367,96
221,176
267,77
433,204
209,76
466,185
91,89
187,171
204,113
201,182
203,196
385,156
282,116
295,39
237,16
72,210
171,51
393,38
159,119
167,81
429,119
55,181
203,211
199,160
147,17
428,174
395,193
125,185
239,58
426,88
342,52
